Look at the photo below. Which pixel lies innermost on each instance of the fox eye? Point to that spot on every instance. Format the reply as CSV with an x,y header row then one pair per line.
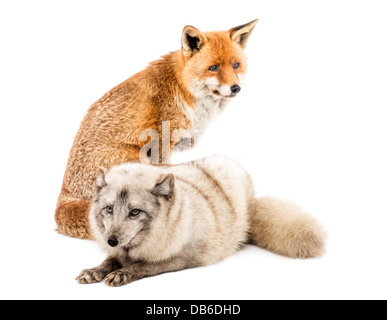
x,y
134,213
236,66
109,210
214,68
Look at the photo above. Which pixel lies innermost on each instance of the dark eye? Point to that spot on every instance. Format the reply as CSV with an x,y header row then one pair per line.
x,y
134,213
109,210
214,68
236,66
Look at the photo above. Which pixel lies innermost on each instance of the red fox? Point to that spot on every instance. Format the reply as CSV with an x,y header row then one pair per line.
x,y
187,88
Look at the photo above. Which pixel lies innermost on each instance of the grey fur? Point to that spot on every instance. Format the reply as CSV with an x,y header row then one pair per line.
x,y
170,218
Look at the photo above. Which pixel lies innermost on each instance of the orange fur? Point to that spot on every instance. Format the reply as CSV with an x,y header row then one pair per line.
x,y
227,55
109,134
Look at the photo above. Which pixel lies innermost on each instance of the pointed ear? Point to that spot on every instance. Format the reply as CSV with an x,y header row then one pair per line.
x,y
165,186
101,182
192,40
241,34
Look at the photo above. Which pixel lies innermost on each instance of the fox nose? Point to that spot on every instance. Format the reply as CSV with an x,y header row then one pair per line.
x,y
235,89
113,242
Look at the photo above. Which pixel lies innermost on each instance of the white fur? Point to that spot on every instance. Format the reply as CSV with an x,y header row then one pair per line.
x,y
211,217
213,212
207,107
212,84
222,231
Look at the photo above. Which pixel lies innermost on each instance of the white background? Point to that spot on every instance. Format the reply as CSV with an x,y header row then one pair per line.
x,y
309,125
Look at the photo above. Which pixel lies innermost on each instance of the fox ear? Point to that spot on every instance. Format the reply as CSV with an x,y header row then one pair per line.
x,y
101,182
165,187
241,34
192,40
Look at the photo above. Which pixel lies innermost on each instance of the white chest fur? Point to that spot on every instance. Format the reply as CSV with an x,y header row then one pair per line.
x,y
200,116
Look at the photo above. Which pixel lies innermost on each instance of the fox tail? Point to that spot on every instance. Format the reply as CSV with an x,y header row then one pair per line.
x,y
283,228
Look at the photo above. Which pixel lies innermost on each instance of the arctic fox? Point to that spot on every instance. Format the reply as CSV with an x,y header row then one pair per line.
x,y
157,219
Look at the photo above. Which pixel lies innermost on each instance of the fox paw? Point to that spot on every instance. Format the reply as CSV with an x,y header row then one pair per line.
x,y
91,276
118,278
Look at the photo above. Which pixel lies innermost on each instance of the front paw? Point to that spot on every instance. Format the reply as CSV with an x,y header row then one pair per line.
x,y
118,278
91,276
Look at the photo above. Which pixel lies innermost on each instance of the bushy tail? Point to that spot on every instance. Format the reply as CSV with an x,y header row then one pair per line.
x,y
72,218
282,227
